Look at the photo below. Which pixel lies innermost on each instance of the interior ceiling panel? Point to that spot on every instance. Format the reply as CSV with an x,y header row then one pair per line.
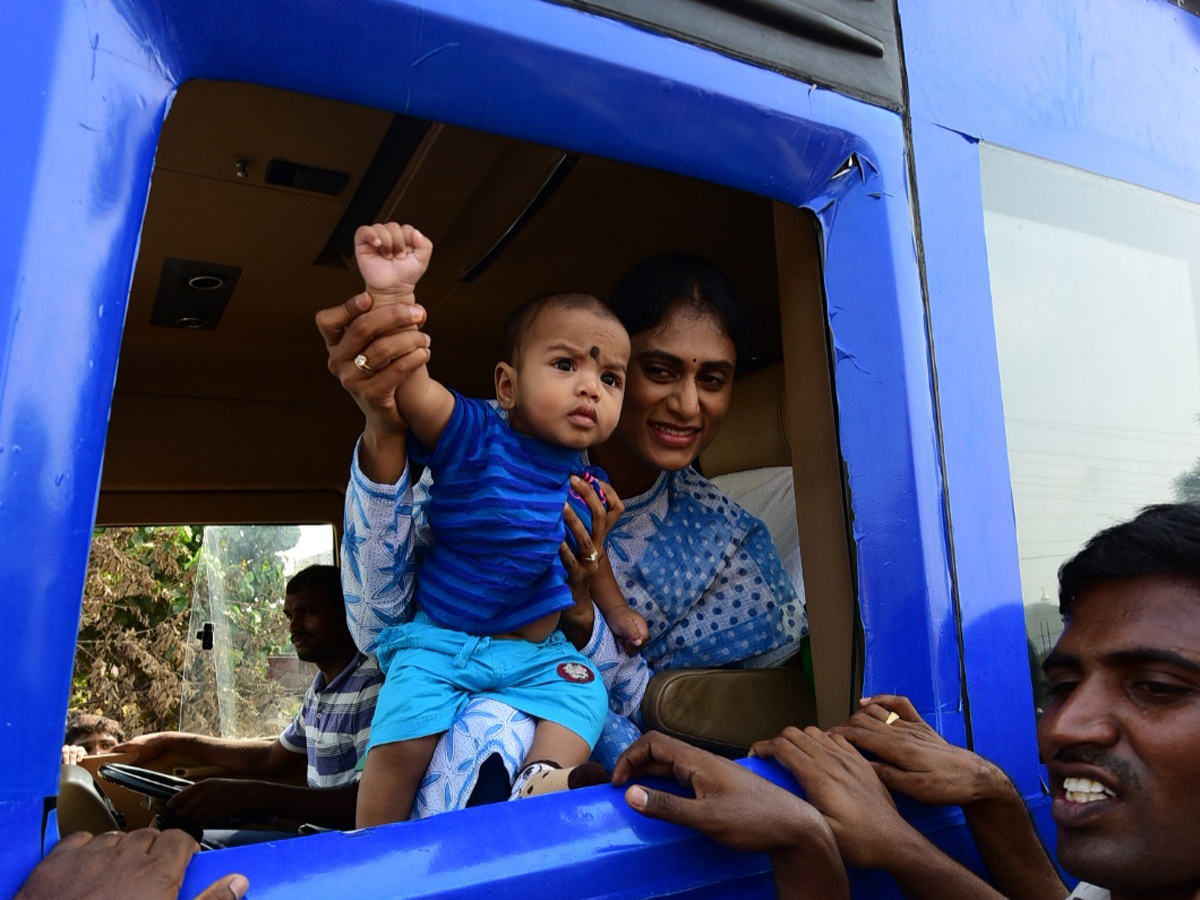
x,y
461,187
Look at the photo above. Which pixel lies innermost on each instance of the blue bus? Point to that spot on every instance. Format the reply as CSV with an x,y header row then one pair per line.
x,y
969,234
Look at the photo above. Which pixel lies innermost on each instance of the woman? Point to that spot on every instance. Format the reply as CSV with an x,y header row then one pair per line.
x,y
700,569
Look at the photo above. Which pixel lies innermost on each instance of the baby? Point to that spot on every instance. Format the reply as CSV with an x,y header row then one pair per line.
x,y
492,588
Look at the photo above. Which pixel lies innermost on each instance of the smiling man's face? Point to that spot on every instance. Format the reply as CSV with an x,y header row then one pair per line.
x,y
1121,736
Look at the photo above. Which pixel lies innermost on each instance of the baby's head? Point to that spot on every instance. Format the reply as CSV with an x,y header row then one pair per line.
x,y
562,375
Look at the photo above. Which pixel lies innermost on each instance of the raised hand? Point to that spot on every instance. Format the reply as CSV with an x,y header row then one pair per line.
x,y
391,259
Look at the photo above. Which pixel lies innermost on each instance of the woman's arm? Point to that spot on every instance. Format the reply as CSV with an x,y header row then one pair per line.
x,y
379,541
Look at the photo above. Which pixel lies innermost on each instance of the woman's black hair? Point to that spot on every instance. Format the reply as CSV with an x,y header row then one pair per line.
x,y
648,292
1160,540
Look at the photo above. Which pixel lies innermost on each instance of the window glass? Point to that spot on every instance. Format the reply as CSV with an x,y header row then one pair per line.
x,y
1095,292
248,683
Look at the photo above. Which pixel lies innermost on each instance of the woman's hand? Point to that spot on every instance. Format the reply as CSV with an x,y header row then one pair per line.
x,y
386,341
590,558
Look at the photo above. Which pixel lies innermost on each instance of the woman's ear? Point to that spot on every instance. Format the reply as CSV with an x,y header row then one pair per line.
x,y
506,386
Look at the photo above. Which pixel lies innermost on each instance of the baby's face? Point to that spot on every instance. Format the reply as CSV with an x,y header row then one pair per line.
x,y
570,378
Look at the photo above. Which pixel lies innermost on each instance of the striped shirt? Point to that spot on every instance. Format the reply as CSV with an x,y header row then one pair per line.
x,y
334,722
496,512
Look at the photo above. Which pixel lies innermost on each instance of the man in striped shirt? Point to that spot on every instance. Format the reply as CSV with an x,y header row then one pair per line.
x,y
326,738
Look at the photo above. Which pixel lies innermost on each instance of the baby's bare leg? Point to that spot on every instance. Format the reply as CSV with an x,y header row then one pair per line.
x,y
557,761
390,779
554,743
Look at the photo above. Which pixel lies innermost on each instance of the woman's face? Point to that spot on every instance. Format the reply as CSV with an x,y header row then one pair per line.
x,y
677,393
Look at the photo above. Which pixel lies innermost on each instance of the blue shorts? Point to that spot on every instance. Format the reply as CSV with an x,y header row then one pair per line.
x,y
432,672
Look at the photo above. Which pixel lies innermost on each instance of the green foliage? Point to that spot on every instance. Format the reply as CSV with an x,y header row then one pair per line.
x,y
240,589
132,627
137,654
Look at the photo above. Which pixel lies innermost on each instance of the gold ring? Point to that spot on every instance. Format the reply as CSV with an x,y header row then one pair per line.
x,y
591,557
891,717
360,363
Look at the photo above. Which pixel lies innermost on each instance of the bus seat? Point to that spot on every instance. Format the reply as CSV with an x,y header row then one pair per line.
x,y
727,710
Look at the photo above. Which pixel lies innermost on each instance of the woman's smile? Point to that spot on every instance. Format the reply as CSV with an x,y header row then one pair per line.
x,y
677,394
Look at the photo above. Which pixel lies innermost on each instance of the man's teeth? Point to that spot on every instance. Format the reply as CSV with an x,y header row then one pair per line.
x,y
1084,790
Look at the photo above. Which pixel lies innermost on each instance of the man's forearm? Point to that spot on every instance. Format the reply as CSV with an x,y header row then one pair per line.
x,y
808,872
1014,855
329,807
238,757
923,872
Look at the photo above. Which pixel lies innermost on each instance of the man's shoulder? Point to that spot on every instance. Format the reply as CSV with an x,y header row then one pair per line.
x,y
362,673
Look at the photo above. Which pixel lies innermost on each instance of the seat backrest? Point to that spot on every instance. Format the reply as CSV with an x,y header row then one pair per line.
x,y
751,462
755,434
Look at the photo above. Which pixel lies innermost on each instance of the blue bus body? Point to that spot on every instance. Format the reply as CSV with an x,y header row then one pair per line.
x,y
1108,86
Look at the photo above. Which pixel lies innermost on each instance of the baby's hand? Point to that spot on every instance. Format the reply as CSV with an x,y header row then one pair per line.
x,y
391,259
629,628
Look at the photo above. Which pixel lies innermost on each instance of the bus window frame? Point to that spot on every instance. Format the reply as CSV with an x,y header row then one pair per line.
x,y
682,109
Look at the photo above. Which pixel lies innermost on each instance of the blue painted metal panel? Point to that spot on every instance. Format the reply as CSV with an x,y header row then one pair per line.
x,y
1104,85
993,619
64,297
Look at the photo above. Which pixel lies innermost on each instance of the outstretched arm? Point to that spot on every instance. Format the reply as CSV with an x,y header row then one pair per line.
x,y
261,759
217,800
735,807
391,259
915,760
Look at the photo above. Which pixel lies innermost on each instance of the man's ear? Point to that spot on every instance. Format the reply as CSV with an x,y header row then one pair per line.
x,y
506,386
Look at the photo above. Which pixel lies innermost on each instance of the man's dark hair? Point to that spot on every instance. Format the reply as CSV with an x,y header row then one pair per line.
x,y
521,322
81,724
1163,539
649,291
327,579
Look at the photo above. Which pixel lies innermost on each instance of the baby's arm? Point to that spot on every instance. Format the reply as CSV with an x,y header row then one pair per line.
x,y
628,626
392,258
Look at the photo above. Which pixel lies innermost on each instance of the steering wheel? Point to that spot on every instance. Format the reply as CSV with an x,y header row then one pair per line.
x,y
162,787
157,785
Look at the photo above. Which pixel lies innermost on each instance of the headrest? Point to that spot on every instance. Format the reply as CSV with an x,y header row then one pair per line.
x,y
755,433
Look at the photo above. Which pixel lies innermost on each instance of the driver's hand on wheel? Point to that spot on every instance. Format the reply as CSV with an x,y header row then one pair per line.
x,y
213,800
146,864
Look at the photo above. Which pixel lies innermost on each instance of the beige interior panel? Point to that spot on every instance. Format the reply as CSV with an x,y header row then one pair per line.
x,y
816,466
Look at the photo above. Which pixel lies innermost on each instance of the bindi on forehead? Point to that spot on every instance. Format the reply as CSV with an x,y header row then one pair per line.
x,y
594,353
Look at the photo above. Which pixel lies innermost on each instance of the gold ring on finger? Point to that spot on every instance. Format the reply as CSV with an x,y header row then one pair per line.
x,y
593,556
360,363
891,717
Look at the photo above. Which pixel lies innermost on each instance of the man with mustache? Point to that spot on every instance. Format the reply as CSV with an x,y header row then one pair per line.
x,y
1118,737
327,737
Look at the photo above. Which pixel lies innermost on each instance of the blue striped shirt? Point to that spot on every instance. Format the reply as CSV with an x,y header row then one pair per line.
x,y
334,722
496,512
